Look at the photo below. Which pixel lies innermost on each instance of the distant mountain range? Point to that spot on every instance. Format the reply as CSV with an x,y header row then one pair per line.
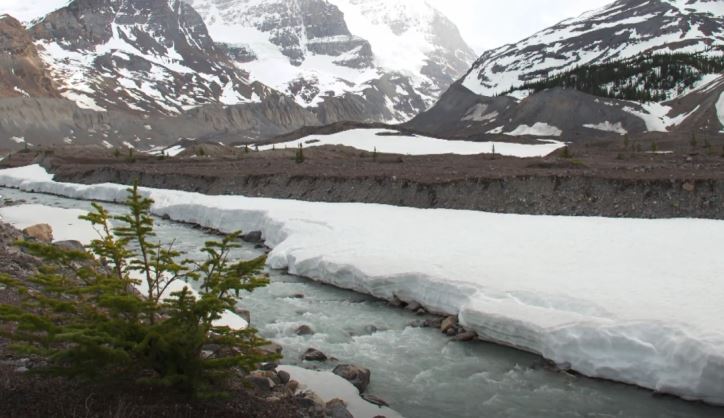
x,y
265,67
145,73
634,66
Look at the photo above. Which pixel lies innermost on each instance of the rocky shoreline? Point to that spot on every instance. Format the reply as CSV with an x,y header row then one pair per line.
x,y
270,390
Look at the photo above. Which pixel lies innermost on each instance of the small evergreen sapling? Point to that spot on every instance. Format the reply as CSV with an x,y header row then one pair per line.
x,y
110,312
299,155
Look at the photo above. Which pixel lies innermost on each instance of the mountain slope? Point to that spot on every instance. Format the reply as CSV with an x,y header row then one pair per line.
x,y
630,68
151,56
22,72
137,73
620,30
347,59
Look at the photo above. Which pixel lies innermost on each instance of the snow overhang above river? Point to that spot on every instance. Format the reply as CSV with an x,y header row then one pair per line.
x,y
631,300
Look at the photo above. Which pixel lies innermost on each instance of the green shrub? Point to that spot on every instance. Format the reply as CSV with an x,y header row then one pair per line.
x,y
566,153
299,156
83,313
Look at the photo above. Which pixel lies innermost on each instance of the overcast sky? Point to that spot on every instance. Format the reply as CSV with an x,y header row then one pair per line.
x,y
487,24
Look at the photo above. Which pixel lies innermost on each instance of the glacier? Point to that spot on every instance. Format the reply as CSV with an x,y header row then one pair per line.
x,y
631,300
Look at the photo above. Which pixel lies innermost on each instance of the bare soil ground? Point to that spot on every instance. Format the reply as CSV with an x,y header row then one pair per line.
x,y
664,175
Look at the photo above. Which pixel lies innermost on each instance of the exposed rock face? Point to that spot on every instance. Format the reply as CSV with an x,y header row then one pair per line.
x,y
22,72
621,30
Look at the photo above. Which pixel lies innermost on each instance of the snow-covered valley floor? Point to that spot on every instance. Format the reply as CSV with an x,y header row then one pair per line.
x,y
393,142
637,301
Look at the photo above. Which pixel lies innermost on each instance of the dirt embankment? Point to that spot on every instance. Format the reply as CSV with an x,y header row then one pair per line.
x,y
594,182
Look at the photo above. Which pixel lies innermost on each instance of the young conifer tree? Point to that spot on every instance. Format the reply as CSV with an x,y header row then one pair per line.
x,y
123,308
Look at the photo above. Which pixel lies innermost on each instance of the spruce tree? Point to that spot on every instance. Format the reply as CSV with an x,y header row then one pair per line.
x,y
88,314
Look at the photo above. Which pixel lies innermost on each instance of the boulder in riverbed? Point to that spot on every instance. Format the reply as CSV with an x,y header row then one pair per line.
x,y
40,232
336,408
304,330
358,376
375,400
466,336
253,237
448,323
313,354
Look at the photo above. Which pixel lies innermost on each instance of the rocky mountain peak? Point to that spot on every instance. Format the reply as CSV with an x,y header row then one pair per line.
x,y
623,29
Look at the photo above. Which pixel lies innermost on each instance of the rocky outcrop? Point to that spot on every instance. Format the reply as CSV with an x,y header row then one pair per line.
x,y
22,72
39,232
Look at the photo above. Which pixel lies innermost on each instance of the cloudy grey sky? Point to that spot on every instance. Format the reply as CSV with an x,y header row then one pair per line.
x,y
488,24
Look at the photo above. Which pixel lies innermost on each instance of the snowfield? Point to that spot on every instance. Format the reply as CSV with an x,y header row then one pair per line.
x,y
636,301
393,142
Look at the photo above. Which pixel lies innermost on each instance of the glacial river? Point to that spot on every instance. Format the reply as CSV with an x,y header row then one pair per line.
x,y
420,372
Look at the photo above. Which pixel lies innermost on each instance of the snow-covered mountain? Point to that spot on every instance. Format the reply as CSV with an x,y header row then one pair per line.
x,y
150,56
387,60
595,75
623,29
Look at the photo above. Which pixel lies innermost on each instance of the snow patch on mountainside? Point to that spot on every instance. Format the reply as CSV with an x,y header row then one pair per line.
x,y
643,308
656,116
392,142
608,127
538,129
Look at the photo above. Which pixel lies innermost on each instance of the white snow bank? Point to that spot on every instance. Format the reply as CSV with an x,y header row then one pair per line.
x,y
538,129
608,127
330,386
392,142
720,110
66,226
65,223
637,301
